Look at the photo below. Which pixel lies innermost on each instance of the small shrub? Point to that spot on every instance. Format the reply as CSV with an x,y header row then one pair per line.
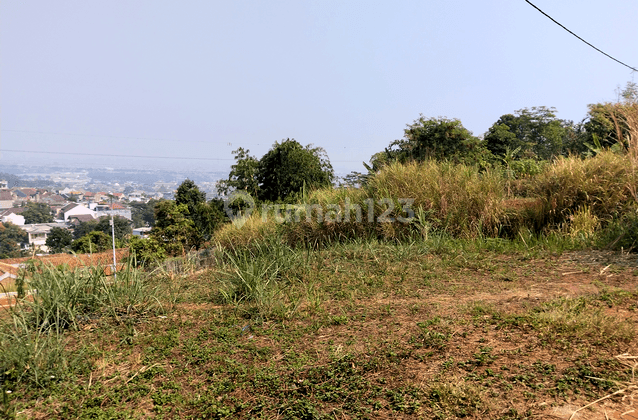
x,y
258,274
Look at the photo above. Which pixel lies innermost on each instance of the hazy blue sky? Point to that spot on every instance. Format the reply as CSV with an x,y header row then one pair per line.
x,y
198,79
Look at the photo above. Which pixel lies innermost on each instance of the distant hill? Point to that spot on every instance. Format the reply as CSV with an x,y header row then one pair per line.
x,y
16,181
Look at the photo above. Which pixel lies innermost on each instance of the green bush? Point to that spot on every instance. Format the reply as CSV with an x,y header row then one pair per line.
x,y
145,252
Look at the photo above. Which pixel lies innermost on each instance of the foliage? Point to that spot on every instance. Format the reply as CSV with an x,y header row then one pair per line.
x,y
281,174
174,230
258,274
607,122
58,239
621,233
243,174
255,230
32,333
433,138
11,237
603,183
122,226
143,214
94,241
103,224
289,167
188,193
145,252
536,131
206,217
84,228
37,213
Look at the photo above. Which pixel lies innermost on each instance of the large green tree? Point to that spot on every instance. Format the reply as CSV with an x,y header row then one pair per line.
x,y
536,132
289,167
284,171
58,239
188,193
122,226
103,224
608,123
431,138
93,242
37,213
84,228
173,229
437,138
243,174
206,217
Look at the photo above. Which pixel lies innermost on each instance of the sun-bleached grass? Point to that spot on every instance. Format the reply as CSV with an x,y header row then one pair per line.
x,y
603,183
253,230
404,200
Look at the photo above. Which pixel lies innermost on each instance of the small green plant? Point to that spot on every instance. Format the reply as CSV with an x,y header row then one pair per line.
x,y
258,274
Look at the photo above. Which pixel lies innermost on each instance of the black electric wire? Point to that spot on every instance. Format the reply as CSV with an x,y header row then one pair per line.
x,y
597,49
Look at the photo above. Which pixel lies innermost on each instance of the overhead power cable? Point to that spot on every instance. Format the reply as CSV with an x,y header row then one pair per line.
x,y
597,49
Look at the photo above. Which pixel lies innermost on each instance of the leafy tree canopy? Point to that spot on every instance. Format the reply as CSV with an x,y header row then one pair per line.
x,y
37,213
285,170
535,132
122,226
92,242
58,239
243,174
11,236
289,167
103,224
174,230
188,193
146,251
84,228
607,123
432,138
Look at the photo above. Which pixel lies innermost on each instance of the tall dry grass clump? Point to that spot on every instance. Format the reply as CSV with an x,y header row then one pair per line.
x,y
456,198
602,183
254,230
629,115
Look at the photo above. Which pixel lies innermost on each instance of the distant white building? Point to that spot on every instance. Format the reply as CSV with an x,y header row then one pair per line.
x,y
38,234
16,219
74,209
12,215
136,196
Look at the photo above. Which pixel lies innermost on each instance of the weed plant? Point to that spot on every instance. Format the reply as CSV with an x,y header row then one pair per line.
x,y
259,274
32,332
